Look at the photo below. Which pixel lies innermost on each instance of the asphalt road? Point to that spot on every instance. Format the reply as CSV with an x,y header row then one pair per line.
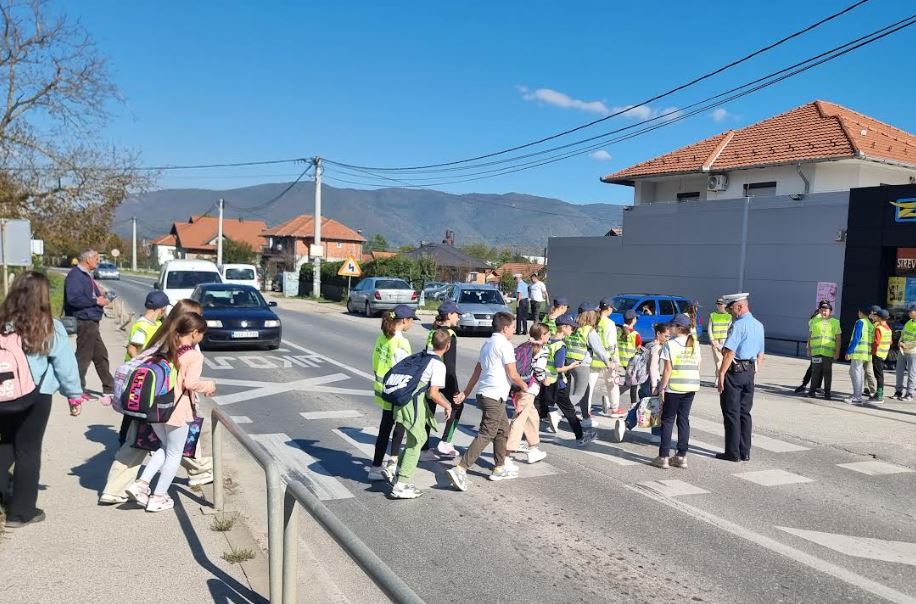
x,y
801,522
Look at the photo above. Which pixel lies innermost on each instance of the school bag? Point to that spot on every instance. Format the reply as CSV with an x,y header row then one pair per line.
x,y
144,388
524,362
15,376
401,385
638,369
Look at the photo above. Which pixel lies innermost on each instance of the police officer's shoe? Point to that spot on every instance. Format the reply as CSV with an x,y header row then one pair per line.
x,y
811,394
727,457
827,396
800,389
746,457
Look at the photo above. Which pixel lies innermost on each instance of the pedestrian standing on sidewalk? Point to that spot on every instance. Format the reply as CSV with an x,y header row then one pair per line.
x,y
556,390
560,307
824,348
25,315
857,353
446,318
86,300
584,345
525,421
129,458
742,360
606,373
181,350
521,306
537,298
906,358
880,349
679,384
719,322
495,371
390,348
414,416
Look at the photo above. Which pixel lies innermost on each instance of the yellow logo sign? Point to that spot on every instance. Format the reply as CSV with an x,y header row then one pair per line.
x,y
906,210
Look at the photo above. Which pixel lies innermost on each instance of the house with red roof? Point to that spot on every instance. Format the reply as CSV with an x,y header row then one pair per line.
x,y
289,244
196,238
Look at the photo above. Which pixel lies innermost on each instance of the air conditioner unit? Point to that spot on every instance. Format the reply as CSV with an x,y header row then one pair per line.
x,y
717,182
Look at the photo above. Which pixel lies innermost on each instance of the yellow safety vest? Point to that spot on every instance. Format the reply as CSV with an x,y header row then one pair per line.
x,y
884,345
822,334
551,324
908,335
552,374
719,322
577,343
862,351
146,328
383,360
429,336
605,333
685,367
627,348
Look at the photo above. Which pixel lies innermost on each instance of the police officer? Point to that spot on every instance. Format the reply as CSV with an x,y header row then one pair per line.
x,y
742,358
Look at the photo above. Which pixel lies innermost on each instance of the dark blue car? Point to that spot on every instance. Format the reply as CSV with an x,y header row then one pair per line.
x,y
651,309
237,316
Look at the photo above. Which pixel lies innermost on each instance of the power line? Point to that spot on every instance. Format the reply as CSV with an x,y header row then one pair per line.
x,y
625,110
263,206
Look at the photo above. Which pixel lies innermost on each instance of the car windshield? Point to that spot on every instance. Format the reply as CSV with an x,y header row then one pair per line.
x,y
623,304
190,279
480,296
391,284
107,266
235,298
246,274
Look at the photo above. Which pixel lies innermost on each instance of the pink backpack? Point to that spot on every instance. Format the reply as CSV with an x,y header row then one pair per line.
x,y
15,376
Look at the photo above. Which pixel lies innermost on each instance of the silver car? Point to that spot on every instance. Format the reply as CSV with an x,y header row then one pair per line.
x,y
374,294
107,270
478,304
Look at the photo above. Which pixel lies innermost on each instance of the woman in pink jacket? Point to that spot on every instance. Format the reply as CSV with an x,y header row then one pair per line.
x,y
180,347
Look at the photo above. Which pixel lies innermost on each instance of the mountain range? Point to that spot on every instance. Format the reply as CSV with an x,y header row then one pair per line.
x,y
403,216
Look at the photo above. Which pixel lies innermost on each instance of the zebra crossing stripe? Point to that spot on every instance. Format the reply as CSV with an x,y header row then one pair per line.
x,y
298,465
762,442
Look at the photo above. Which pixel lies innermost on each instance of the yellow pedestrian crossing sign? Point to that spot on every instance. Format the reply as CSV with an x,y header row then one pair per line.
x,y
350,268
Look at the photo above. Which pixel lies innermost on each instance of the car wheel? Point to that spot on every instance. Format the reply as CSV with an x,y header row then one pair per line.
x,y
349,309
368,310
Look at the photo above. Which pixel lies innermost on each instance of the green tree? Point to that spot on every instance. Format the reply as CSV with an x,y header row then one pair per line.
x,y
377,243
238,252
406,248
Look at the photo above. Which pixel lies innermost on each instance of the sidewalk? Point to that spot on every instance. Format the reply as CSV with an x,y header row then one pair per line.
x,y
84,552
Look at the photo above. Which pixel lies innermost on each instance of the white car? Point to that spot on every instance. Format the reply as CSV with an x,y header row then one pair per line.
x,y
242,274
179,278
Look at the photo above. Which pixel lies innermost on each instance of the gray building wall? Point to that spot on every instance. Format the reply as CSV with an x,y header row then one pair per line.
x,y
693,249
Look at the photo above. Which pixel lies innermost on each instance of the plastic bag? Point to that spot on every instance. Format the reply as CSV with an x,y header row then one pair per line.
x,y
649,412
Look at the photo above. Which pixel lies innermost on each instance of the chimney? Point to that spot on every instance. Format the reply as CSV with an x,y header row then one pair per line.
x,y
449,238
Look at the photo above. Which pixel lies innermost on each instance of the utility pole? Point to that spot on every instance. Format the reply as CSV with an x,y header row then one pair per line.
x,y
133,256
316,280
6,274
219,235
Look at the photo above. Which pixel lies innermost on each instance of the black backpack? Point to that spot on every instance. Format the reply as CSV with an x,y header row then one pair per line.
x,y
401,384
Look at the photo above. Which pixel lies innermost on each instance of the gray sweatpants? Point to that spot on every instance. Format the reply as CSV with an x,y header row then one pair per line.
x,y
579,388
857,373
906,366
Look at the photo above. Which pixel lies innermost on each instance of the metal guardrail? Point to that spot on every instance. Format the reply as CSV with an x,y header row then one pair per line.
x,y
283,518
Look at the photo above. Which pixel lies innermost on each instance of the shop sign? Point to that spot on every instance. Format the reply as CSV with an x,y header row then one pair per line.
x,y
906,210
906,258
825,291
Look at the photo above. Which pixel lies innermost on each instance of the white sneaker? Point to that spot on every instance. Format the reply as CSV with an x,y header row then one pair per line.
x,y
458,477
405,491
535,455
106,499
502,473
139,492
428,455
853,401
588,423
553,419
390,471
160,503
605,404
446,449
523,446
377,473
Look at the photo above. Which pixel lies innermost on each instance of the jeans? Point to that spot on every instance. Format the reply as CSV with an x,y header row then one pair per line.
x,y
91,349
166,459
494,428
385,434
25,431
821,370
676,408
857,374
736,401
906,366
525,421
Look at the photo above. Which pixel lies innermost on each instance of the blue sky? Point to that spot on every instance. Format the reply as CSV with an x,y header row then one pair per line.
x,y
388,83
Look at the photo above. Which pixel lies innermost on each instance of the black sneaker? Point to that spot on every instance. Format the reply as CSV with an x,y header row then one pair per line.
x,y
14,522
811,394
827,396
727,457
800,389
898,395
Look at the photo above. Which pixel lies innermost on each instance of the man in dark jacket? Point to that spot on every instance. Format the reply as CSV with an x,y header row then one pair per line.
x,y
85,300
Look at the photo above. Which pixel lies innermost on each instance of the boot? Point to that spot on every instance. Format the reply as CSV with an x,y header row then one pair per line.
x,y
879,396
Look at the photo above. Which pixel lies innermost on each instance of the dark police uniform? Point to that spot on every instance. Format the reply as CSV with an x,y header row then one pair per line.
x,y
746,340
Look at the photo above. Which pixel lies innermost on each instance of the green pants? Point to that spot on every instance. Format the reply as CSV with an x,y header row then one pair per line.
x,y
415,437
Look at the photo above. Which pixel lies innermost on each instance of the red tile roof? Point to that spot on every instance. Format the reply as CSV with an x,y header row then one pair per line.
x,y
199,231
303,226
168,239
818,130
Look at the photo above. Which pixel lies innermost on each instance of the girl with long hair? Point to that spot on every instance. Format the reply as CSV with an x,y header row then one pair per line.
x,y
26,315
179,346
583,345
679,384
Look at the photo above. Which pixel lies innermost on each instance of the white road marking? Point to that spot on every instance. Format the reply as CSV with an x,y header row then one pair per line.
x,y
240,419
262,389
312,353
220,362
763,442
367,449
874,468
343,413
298,465
828,568
258,362
899,552
673,488
772,478
143,283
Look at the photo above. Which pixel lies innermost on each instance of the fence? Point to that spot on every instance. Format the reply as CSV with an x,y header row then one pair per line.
x,y
283,523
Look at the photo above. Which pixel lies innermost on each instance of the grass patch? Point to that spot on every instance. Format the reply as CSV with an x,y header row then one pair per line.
x,y
237,556
57,292
223,523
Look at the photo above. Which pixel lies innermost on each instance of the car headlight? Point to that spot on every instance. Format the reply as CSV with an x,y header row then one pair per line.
x,y
467,316
272,323
214,323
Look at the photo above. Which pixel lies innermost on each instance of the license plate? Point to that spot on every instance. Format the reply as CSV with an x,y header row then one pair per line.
x,y
244,334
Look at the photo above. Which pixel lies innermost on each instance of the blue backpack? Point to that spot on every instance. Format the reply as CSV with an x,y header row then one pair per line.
x,y
401,384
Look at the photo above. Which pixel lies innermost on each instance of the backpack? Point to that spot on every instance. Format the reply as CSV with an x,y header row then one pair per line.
x,y
524,361
145,388
16,379
401,385
638,368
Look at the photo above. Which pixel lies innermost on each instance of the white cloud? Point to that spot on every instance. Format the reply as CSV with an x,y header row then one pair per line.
x,y
563,100
670,113
639,112
721,114
600,155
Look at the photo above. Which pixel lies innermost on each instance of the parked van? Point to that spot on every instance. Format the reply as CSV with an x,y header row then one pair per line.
x,y
178,278
243,274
